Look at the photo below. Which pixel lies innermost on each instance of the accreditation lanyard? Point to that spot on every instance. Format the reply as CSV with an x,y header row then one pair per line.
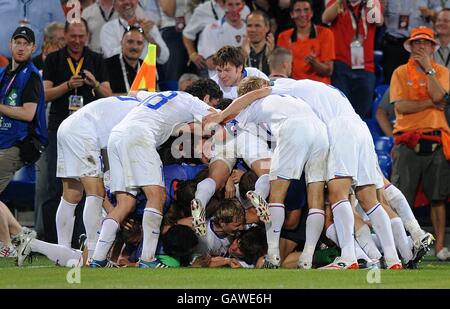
x,y
124,72
75,71
106,19
7,87
357,18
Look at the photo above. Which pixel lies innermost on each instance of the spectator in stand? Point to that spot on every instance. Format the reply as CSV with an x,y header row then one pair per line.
x,y
112,32
123,67
203,15
96,15
230,30
385,114
402,16
354,23
174,16
34,14
419,90
53,40
311,45
259,41
442,26
73,76
186,80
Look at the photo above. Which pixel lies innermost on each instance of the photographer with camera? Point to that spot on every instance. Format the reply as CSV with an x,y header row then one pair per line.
x,y
23,129
73,76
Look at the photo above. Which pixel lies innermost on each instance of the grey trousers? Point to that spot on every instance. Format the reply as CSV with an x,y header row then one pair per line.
x,y
10,163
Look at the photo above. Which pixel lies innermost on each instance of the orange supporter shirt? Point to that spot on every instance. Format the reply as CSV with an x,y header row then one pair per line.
x,y
430,119
319,43
342,28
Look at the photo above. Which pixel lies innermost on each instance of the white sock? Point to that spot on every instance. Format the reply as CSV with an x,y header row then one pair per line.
x,y
401,239
205,190
273,229
359,252
399,202
314,227
151,223
382,226
61,255
377,242
344,222
365,241
65,220
361,212
332,234
92,218
262,186
106,239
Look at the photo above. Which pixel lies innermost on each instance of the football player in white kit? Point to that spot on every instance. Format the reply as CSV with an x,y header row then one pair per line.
x,y
81,136
229,63
301,144
330,107
350,145
135,164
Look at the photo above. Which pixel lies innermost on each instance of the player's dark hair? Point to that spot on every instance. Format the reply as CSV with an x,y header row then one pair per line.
x,y
224,103
253,244
179,242
229,54
247,183
293,2
185,194
205,86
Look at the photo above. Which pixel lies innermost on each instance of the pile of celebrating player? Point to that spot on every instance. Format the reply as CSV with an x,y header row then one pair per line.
x,y
286,176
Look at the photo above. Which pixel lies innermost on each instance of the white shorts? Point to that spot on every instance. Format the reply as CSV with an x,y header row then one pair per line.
x,y
78,150
245,145
380,182
352,152
302,143
134,161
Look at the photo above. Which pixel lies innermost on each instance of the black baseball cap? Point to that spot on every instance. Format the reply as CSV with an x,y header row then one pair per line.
x,y
24,32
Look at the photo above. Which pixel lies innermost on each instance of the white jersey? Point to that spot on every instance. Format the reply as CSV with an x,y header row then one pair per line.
x,y
272,110
218,34
327,101
104,114
161,113
212,243
231,92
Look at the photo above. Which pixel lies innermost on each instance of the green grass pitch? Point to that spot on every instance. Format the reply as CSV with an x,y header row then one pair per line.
x,y
43,274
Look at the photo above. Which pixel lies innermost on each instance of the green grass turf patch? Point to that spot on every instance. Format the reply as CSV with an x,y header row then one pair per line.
x,y
43,274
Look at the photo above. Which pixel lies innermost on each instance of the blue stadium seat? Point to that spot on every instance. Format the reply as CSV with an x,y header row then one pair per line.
x,y
20,191
384,144
374,128
385,161
372,122
379,93
379,72
166,85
